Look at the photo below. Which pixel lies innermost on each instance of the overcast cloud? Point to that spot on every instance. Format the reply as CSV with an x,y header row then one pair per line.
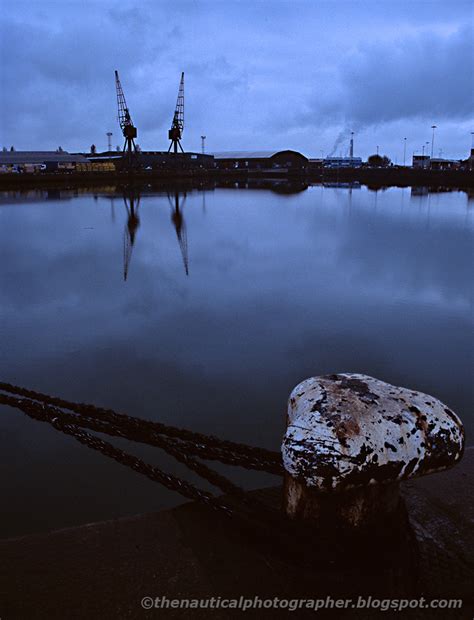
x,y
259,75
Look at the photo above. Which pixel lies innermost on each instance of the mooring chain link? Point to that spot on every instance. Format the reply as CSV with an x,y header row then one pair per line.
x,y
49,413
206,446
169,481
261,521
248,510
63,424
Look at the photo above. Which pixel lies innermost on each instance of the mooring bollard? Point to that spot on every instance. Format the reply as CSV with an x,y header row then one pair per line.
x,y
351,439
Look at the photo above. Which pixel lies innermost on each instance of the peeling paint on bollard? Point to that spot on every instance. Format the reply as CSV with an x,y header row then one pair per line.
x,y
351,438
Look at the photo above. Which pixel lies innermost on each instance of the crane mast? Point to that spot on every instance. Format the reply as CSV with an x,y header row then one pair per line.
x,y
125,121
177,125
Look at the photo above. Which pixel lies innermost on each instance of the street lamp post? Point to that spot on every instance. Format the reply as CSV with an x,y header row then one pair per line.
x,y
433,127
404,150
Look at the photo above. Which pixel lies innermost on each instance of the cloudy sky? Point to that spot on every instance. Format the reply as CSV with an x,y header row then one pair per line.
x,y
266,74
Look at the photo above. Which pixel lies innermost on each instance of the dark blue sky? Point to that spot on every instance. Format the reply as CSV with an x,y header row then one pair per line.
x,y
265,74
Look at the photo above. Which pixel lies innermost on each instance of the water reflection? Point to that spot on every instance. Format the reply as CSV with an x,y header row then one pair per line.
x,y
179,224
284,286
131,199
350,185
278,186
419,191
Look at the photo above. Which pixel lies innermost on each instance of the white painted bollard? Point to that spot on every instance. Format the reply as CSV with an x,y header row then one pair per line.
x,y
351,439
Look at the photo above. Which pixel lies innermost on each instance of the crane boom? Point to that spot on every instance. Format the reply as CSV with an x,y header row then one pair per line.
x,y
125,121
177,124
124,117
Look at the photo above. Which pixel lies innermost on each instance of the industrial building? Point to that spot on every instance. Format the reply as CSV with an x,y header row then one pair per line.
x,y
156,160
315,163
438,163
468,164
425,162
421,162
39,161
342,162
275,161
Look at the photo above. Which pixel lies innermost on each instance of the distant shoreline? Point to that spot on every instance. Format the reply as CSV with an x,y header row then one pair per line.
x,y
377,177
402,177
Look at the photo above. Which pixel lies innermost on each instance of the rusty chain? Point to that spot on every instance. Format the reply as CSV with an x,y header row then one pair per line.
x,y
40,407
263,523
254,517
208,447
58,418
39,412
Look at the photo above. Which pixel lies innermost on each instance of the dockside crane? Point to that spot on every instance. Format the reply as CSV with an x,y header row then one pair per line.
x,y
177,125
125,121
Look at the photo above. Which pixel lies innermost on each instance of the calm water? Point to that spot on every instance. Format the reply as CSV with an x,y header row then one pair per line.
x,y
280,287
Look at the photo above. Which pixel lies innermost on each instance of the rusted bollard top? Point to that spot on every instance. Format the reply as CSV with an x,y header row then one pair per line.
x,y
351,430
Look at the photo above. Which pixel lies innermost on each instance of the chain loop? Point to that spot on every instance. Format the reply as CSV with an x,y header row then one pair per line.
x,y
205,446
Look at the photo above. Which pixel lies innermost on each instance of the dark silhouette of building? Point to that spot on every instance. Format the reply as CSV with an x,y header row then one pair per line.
x,y
261,160
48,161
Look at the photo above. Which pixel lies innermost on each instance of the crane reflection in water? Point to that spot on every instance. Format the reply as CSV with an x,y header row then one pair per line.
x,y
179,223
131,198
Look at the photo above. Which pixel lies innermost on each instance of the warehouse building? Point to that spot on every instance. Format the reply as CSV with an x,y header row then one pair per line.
x,y
157,160
342,162
468,164
421,162
438,163
39,161
425,162
281,161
